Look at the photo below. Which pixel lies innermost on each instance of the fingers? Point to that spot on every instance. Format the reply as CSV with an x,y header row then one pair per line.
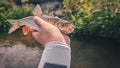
x,y
35,34
67,39
39,21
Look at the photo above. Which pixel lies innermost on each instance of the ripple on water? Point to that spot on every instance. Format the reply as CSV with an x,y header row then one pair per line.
x,y
19,56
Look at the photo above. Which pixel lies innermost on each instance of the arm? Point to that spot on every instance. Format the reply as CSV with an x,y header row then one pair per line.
x,y
57,52
55,55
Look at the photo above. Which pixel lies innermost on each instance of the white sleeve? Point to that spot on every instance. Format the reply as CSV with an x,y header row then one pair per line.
x,y
55,55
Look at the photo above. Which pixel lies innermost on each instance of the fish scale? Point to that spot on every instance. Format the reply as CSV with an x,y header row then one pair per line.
x,y
64,26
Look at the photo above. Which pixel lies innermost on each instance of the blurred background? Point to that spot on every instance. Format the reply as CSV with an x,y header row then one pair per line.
x,y
95,41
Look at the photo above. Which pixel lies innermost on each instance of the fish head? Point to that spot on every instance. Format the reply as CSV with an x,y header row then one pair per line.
x,y
66,27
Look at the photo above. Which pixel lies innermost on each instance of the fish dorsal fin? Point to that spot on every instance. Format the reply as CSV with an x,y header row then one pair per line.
x,y
37,11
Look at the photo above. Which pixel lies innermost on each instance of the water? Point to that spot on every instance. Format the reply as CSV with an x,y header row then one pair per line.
x,y
19,56
95,54
85,53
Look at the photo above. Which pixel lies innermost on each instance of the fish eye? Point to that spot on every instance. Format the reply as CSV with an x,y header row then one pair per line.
x,y
63,25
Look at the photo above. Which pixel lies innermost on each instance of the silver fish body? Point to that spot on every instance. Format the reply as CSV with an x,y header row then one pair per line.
x,y
65,26
29,22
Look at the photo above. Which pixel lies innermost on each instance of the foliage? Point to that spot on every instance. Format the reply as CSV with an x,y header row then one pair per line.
x,y
94,17
12,12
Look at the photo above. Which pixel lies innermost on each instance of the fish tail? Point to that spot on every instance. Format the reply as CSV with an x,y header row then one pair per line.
x,y
15,25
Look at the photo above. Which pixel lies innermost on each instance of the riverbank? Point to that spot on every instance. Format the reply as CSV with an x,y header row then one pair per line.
x,y
18,37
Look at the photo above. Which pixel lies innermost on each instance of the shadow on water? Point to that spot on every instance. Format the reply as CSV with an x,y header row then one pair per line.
x,y
95,54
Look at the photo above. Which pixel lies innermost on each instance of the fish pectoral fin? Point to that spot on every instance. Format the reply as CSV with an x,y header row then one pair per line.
x,y
25,29
37,11
15,25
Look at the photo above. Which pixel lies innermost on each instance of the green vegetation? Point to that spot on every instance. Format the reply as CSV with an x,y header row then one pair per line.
x,y
96,18
8,10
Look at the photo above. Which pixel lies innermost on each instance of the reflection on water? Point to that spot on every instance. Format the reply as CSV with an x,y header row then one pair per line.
x,y
19,56
85,54
95,54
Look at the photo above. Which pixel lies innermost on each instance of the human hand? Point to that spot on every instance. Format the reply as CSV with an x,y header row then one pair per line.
x,y
48,33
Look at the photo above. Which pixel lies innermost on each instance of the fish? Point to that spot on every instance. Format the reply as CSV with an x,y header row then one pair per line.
x,y
27,23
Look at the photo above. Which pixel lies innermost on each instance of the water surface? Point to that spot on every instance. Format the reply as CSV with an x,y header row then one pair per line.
x,y
19,51
95,54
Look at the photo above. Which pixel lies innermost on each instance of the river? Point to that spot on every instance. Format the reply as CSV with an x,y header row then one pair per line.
x,y
16,53
95,54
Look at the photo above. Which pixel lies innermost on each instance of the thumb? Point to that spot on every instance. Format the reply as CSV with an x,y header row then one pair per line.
x,y
39,21
35,34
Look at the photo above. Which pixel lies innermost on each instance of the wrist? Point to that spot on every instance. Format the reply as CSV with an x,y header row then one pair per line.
x,y
61,40
56,43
